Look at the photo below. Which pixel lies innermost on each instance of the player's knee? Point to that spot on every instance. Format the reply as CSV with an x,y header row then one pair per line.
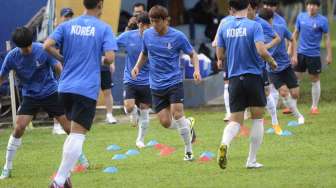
x,y
283,92
19,128
165,122
295,95
128,107
177,115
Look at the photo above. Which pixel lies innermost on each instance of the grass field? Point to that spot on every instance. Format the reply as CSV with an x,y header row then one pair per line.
x,y
306,159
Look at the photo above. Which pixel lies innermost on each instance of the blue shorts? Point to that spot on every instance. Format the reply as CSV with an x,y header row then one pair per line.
x,y
141,93
163,98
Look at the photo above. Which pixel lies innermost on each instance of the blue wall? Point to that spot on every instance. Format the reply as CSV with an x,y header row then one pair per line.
x,y
16,13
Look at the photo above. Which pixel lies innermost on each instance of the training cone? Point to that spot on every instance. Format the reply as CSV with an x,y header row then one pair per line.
x,y
204,159
167,151
208,154
159,146
119,157
270,131
110,170
113,147
293,124
286,133
79,168
151,143
132,152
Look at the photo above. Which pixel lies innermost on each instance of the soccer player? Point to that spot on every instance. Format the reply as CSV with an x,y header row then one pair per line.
x,y
243,41
162,46
309,28
33,67
271,39
66,14
84,39
136,91
273,5
284,78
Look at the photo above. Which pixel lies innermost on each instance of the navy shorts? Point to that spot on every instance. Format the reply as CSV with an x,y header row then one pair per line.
x,y
50,104
141,93
79,109
313,64
246,91
162,98
105,80
285,77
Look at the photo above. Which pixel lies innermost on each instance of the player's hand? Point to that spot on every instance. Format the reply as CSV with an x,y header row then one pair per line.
x,y
294,60
220,64
273,65
135,72
329,59
112,68
197,77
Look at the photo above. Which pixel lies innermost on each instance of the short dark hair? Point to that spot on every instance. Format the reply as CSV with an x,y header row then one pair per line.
x,y
254,3
313,2
266,14
271,2
143,18
158,12
22,37
139,5
239,4
91,4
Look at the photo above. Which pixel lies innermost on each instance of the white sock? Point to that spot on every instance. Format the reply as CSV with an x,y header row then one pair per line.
x,y
184,130
316,93
230,131
271,108
275,94
226,98
143,124
292,104
173,124
109,114
72,149
256,138
12,146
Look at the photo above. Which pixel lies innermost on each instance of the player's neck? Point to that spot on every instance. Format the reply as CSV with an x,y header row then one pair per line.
x,y
163,31
91,13
241,13
26,51
311,14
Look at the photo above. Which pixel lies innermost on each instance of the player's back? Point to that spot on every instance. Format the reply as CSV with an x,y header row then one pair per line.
x,y
238,37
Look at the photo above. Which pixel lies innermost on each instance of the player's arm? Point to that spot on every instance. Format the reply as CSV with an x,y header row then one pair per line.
x,y
220,51
108,58
142,59
329,49
195,62
58,68
276,40
262,51
49,46
292,50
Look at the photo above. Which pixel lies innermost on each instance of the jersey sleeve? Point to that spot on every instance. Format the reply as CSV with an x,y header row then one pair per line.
x,y
144,45
122,40
109,41
6,66
58,35
297,22
287,34
325,25
185,44
258,34
220,38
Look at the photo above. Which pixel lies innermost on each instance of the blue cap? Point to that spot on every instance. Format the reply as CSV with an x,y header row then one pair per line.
x,y
66,12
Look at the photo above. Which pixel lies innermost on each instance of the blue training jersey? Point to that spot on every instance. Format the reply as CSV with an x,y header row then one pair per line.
x,y
280,54
34,71
277,19
238,37
132,42
163,52
84,40
311,30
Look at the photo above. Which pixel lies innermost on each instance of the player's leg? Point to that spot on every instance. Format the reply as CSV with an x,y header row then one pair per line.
x,y
144,98
257,102
57,128
314,70
82,113
130,107
226,99
238,104
27,110
270,106
106,85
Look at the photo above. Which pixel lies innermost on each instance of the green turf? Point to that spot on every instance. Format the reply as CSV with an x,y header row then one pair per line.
x,y
306,159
